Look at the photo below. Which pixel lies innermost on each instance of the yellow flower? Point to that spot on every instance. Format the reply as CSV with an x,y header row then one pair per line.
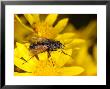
x,y
56,63
45,28
53,66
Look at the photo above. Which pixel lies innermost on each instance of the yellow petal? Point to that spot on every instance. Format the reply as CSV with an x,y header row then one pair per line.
x,y
24,59
36,18
29,18
85,59
91,70
22,51
20,30
43,56
23,19
69,28
75,52
61,25
29,66
75,43
65,36
50,19
61,58
22,74
66,41
90,32
71,71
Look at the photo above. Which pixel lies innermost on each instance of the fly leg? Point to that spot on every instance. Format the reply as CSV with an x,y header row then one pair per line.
x,y
23,59
36,56
49,54
26,60
65,53
50,60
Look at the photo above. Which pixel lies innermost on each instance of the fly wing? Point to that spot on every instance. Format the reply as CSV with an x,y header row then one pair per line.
x,y
39,49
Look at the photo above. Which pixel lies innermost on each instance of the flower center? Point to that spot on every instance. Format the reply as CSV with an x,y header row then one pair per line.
x,y
47,68
45,30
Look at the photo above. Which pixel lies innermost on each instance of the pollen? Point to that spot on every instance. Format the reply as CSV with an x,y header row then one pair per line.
x,y
47,68
45,30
